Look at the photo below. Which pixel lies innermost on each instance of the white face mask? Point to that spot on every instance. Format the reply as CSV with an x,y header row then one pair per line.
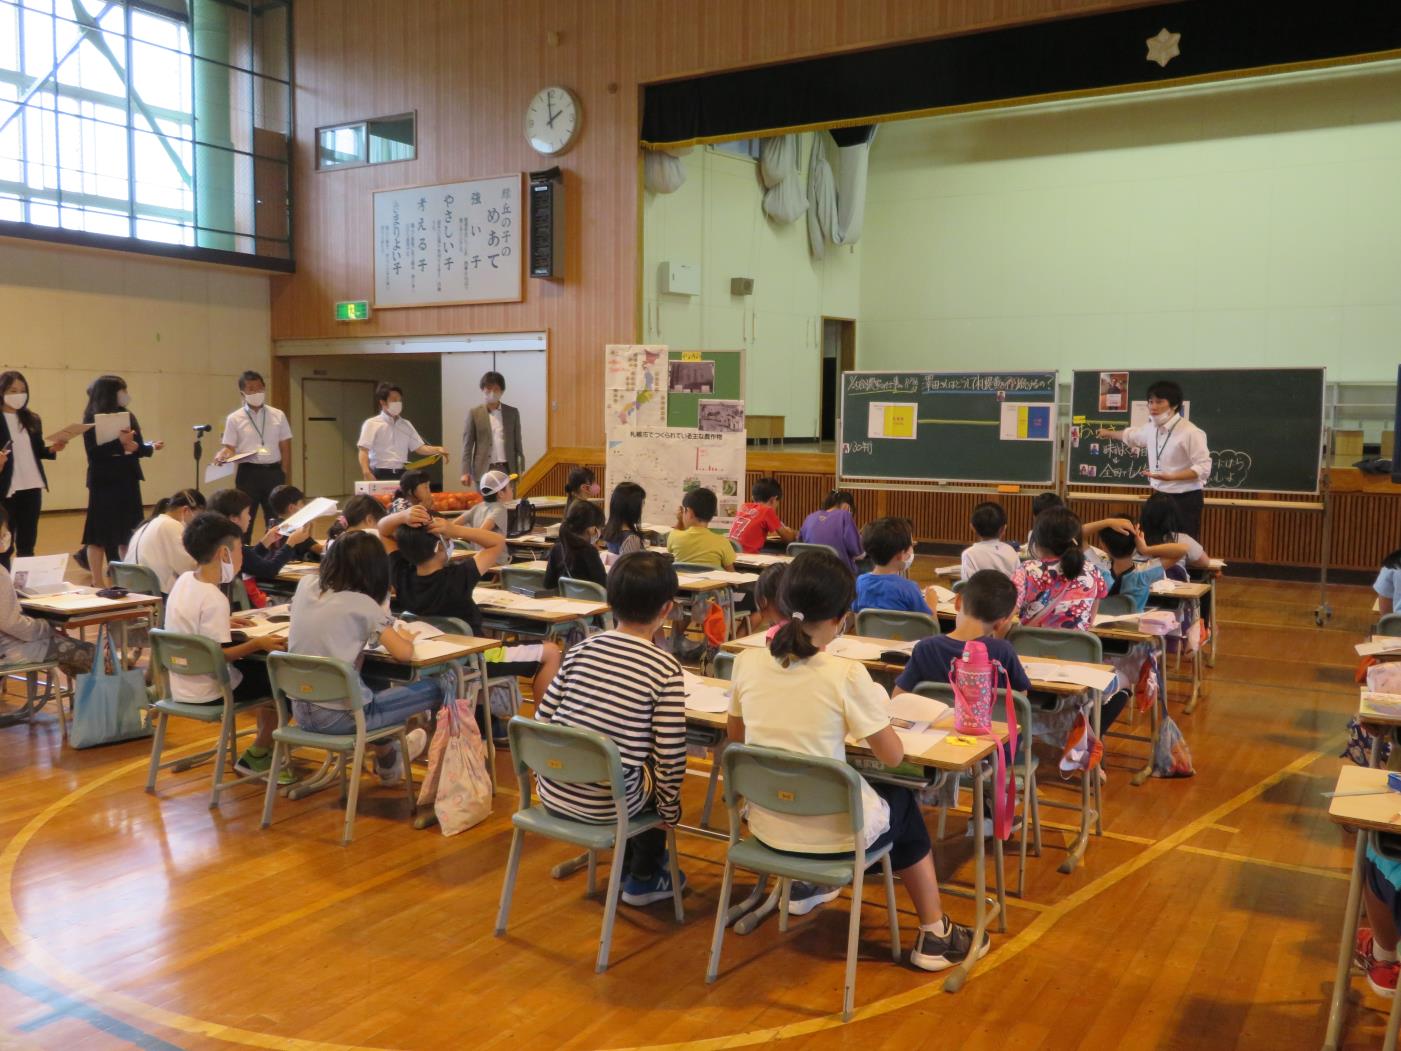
x,y
226,570
909,559
1160,418
16,401
255,400
491,397
394,408
123,399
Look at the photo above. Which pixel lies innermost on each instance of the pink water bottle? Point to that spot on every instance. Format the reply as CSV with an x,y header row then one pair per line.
x,y
973,685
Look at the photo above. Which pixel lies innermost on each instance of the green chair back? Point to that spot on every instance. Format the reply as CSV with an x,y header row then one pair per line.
x,y
188,655
942,691
692,567
564,753
135,577
447,625
797,547
1115,605
324,681
524,581
958,585
789,783
1061,643
1390,624
570,587
722,666
738,547
895,624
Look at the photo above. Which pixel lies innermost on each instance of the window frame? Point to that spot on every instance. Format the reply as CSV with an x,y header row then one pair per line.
x,y
364,125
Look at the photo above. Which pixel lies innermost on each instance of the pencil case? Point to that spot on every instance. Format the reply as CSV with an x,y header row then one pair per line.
x,y
1157,622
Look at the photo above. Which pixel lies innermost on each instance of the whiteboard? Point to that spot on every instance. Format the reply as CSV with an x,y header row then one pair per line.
x,y
456,242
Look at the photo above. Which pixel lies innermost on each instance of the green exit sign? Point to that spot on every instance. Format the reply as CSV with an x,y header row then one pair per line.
x,y
354,310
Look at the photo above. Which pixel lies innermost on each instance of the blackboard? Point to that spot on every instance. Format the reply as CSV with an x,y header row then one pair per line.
x,y
1264,426
990,427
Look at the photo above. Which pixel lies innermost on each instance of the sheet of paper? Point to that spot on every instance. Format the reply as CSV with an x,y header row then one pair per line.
x,y
422,462
1020,421
704,696
1216,563
215,471
1376,605
321,507
73,600
496,597
67,434
852,650
918,709
1077,674
763,558
1379,644
299,569
261,628
920,743
727,577
755,641
1170,587
109,425
950,571
1103,619
419,629
45,572
1388,704
943,594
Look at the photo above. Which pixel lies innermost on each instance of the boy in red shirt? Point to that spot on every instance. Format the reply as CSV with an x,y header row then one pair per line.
x,y
759,517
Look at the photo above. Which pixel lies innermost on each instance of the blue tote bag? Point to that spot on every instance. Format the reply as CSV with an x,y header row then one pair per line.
x,y
107,706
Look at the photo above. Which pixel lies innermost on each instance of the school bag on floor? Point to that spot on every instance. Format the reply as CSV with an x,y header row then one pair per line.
x,y
1171,756
457,783
107,706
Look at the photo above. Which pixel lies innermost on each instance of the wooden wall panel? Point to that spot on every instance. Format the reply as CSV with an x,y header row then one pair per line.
x,y
469,68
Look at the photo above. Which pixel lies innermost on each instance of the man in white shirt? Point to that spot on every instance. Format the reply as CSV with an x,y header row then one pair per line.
x,y
388,441
491,437
1179,460
262,431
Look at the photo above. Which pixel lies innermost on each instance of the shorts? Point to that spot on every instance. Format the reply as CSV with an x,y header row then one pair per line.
x,y
521,662
907,836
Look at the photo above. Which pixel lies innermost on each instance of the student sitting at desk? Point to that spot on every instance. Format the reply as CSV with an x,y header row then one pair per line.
x,y
891,548
428,583
794,696
415,490
692,541
1160,525
157,543
1376,949
285,501
768,601
989,522
759,517
835,526
580,484
1119,563
622,533
1042,502
198,606
1388,583
575,553
24,638
1057,587
338,611
619,684
491,514
362,513
265,559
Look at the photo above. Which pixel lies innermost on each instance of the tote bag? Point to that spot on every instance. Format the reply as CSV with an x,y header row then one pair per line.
x,y
107,706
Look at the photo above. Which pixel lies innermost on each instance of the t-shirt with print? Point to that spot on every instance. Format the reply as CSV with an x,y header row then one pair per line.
x,y
753,524
810,707
332,624
889,591
699,546
1045,599
933,658
199,608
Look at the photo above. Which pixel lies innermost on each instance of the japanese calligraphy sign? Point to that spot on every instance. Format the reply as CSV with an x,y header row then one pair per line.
x,y
458,242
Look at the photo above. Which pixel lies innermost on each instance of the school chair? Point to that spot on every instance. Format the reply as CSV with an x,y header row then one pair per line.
x,y
575,756
139,579
1115,605
528,582
569,587
1024,765
173,652
897,624
958,585
34,700
802,786
722,667
687,604
797,547
737,546
327,683
1390,624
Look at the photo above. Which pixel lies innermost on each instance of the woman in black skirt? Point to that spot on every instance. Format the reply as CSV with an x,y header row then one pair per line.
x,y
114,478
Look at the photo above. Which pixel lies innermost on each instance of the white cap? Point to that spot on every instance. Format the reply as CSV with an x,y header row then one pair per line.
x,y
494,482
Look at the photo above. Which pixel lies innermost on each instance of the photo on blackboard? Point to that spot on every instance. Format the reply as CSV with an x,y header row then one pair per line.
x,y
1113,391
724,416
1088,470
1094,448
691,377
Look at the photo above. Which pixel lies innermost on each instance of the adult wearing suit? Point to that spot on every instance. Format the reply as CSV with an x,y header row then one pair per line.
x,y
491,437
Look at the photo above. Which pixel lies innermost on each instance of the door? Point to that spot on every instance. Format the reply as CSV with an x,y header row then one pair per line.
x,y
838,356
332,412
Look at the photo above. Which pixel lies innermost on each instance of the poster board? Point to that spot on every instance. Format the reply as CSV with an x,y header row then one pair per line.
x,y
933,427
669,461
695,377
1265,427
454,242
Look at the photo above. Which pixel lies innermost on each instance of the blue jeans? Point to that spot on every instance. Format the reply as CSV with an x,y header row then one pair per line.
x,y
385,708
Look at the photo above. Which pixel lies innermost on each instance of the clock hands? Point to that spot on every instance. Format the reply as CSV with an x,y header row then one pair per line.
x,y
549,97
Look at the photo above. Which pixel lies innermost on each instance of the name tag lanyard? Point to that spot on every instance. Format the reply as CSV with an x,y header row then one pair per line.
x,y
262,445
1160,445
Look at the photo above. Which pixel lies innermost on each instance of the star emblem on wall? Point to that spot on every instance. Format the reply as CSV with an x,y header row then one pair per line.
x,y
1163,48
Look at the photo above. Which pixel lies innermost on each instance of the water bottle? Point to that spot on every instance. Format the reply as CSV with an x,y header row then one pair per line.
x,y
973,685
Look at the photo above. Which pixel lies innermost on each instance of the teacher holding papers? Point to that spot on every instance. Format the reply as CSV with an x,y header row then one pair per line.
x,y
115,447
1179,460
22,455
257,435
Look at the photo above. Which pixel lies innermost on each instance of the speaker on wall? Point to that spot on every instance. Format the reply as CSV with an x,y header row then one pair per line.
x,y
547,224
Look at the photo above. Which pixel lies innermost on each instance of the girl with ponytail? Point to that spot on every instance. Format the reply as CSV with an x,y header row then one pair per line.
x,y
796,697
1057,588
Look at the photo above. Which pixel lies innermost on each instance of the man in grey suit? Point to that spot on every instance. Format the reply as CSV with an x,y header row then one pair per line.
x,y
491,437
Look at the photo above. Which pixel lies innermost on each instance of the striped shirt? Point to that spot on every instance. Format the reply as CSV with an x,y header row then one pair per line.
x,y
626,689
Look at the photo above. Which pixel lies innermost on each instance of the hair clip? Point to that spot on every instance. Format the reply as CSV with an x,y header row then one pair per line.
x,y
797,615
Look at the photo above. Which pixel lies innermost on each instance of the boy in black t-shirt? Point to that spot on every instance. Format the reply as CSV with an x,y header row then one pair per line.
x,y
985,610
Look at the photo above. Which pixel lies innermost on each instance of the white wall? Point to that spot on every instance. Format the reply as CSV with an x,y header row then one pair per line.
x,y
1255,224
179,333
716,220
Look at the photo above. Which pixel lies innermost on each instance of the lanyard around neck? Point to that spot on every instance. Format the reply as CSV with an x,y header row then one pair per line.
x,y
254,424
1161,444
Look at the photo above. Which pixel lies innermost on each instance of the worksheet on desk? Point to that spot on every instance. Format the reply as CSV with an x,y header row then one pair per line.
x,y
423,649
1091,678
702,696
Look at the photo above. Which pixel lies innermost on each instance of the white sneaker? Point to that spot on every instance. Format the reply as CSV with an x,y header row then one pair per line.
x,y
418,743
804,897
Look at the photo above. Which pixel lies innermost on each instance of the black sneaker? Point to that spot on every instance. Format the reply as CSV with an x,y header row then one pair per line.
x,y
934,952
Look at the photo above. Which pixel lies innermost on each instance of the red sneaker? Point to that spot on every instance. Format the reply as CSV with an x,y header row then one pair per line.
x,y
1382,978
1362,957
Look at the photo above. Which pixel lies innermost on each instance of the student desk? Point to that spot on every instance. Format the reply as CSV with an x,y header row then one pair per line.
x,y
530,543
535,565
1121,632
544,618
761,561
292,572
1177,596
1369,815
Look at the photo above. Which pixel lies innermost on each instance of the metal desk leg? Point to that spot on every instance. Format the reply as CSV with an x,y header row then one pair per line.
x,y
1337,1009
1087,816
954,982
1211,655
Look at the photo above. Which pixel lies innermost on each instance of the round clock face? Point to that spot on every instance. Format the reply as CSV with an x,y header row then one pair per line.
x,y
552,120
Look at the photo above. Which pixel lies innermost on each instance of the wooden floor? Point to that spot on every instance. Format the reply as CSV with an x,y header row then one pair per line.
x,y
1206,917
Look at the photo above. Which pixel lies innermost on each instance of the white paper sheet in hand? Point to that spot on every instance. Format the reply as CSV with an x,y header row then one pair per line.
x,y
1076,674
215,471
109,425
321,507
1379,644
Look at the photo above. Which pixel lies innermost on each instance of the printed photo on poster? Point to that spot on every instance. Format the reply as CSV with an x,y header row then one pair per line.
x,y
1023,422
1088,470
724,416
1113,391
691,377
893,419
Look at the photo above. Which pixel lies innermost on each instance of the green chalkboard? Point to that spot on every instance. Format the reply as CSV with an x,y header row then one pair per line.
x,y
725,379
1264,426
991,427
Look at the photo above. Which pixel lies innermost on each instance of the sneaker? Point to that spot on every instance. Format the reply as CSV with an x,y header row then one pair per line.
x,y
804,897
938,952
639,892
1382,978
418,743
988,827
251,763
391,771
1362,957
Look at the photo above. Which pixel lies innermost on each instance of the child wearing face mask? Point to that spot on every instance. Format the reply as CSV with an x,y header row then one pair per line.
x,y
158,543
575,553
198,606
388,441
259,432
891,548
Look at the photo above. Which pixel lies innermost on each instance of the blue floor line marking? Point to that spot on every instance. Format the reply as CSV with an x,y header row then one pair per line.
x,y
62,1006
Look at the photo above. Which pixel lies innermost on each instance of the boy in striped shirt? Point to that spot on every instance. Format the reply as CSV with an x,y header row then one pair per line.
x,y
621,685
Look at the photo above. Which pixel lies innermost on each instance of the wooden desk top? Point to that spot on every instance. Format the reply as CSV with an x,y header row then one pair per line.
x,y
1379,813
536,565
292,572
696,582
73,605
762,560
491,602
1184,591
946,755
463,646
